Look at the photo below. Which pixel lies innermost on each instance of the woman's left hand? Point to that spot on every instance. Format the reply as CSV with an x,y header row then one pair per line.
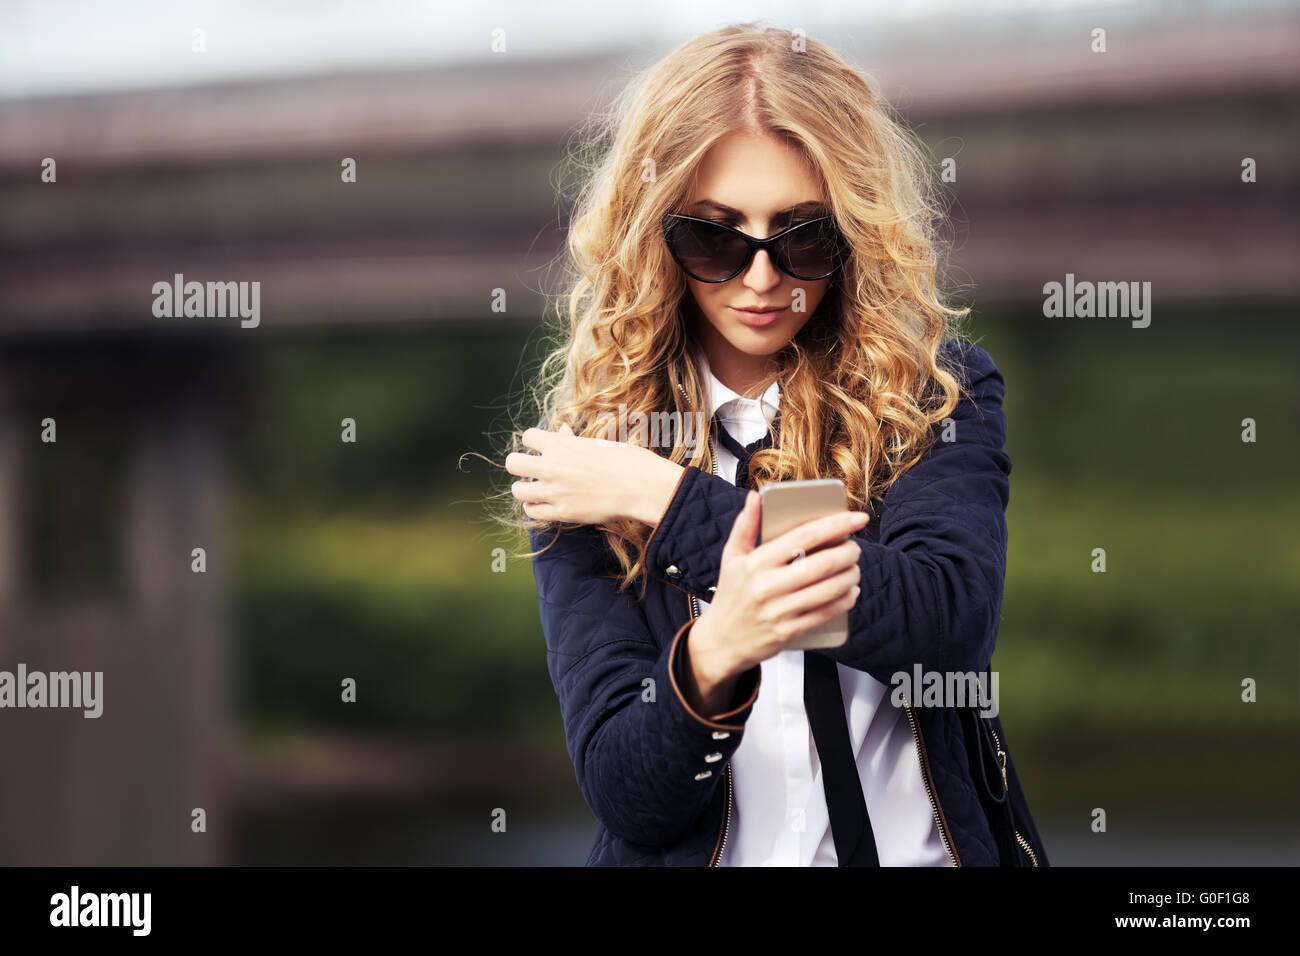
x,y
590,480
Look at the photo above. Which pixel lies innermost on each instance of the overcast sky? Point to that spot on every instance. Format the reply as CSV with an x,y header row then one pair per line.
x,y
55,46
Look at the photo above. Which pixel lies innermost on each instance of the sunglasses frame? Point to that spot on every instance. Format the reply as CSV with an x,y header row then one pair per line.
x,y
755,245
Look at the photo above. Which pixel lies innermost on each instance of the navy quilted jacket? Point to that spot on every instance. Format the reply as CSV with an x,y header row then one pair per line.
x,y
656,773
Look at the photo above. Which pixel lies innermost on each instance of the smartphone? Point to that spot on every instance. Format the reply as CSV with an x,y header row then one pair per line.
x,y
788,504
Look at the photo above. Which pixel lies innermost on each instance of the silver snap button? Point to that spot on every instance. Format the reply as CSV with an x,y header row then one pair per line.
x,y
712,590
721,734
705,775
673,571
712,758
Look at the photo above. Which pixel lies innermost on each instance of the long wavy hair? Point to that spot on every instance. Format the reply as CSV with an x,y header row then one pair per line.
x,y
861,383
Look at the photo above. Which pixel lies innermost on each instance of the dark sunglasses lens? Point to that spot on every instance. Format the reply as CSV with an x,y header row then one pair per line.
x,y
707,252
812,250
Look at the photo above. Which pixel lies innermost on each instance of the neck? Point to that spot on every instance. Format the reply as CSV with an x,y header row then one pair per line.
x,y
747,375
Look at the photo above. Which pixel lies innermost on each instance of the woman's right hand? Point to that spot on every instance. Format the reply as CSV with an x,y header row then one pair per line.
x,y
765,599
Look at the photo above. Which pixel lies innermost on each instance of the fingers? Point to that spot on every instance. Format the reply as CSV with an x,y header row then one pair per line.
x,y
744,530
525,466
818,616
530,491
808,536
816,595
541,511
802,572
536,438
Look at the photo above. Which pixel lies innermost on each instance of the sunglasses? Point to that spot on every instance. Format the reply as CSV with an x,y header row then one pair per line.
x,y
711,252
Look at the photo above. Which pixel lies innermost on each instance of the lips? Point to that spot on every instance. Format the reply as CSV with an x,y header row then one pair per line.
x,y
756,317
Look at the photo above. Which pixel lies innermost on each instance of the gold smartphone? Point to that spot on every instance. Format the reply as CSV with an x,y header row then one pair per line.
x,y
788,504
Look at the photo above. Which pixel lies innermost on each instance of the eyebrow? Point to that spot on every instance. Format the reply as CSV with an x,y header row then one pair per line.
x,y
811,205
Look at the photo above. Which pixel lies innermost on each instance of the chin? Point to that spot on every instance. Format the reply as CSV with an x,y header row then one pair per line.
x,y
759,341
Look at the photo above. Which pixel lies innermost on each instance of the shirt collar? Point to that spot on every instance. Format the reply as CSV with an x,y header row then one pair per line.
x,y
720,395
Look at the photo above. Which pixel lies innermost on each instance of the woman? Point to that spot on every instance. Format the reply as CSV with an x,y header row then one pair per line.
x,y
818,352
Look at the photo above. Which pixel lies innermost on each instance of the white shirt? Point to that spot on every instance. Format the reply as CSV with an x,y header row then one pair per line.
x,y
780,816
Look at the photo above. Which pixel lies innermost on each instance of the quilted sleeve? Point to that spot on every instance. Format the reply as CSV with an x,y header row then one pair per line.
x,y
932,572
647,764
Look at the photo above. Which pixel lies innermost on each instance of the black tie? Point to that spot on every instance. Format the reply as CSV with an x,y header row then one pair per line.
x,y
855,843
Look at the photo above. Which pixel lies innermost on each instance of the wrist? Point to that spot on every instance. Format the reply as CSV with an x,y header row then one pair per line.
x,y
655,490
712,672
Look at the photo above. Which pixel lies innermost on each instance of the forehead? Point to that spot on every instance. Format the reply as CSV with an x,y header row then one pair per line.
x,y
756,175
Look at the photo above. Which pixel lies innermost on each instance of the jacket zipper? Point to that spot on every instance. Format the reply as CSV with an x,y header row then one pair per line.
x,y
929,791
1002,759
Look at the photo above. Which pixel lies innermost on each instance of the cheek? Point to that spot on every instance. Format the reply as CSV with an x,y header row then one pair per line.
x,y
813,295
709,298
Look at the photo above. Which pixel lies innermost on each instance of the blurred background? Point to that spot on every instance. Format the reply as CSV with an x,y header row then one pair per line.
x,y
374,560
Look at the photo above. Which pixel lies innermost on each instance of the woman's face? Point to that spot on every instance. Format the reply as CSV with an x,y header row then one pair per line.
x,y
759,185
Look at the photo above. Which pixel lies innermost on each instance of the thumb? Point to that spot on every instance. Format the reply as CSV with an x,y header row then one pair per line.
x,y
744,530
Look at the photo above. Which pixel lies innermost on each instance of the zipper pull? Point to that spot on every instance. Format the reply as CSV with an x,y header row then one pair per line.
x,y
1002,759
